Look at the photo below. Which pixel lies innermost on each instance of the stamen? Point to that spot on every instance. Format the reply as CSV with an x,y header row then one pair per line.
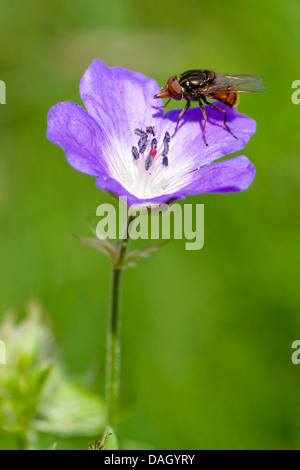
x,y
165,161
154,143
148,147
150,130
142,144
166,141
140,132
167,137
148,162
135,153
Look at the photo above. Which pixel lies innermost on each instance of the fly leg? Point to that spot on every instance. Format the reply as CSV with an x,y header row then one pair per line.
x,y
188,103
205,119
162,107
225,116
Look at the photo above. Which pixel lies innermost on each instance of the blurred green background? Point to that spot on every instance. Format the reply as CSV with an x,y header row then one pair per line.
x,y
206,336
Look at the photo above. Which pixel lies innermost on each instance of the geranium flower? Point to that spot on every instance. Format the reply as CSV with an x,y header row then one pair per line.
x,y
125,143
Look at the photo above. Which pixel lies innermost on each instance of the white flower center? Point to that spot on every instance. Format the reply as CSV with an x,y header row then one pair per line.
x,y
144,170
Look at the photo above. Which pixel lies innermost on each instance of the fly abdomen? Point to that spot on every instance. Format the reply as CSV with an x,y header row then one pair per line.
x,y
230,99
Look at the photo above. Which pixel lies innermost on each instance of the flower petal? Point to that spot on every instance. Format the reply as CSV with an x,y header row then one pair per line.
x,y
188,148
113,186
70,127
118,99
226,176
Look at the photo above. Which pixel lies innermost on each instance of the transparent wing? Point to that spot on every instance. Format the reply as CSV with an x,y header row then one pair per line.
x,y
225,83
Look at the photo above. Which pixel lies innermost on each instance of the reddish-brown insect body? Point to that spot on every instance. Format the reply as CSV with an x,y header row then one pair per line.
x,y
200,85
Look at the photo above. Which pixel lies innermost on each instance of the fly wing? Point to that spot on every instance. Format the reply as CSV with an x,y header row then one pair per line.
x,y
227,83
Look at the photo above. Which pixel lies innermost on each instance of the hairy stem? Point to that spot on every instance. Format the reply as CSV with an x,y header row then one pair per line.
x,y
113,333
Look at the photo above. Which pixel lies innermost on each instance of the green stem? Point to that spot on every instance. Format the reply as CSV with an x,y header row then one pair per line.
x,y
113,334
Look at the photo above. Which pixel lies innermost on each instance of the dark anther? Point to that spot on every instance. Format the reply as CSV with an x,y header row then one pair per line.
x,y
148,162
154,143
167,137
135,153
150,130
165,161
140,132
142,144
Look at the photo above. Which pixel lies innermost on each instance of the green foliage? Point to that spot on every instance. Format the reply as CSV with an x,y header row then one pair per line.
x,y
131,258
206,336
37,395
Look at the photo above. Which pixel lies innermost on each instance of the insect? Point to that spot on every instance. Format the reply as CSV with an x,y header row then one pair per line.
x,y
198,85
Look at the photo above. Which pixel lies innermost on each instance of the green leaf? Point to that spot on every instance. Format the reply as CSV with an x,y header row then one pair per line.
x,y
37,396
132,258
69,410
89,219
102,245
110,441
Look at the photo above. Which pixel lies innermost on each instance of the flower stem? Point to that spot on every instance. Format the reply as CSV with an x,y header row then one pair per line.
x,y
113,333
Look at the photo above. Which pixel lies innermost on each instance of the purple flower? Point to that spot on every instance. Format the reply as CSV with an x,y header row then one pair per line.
x,y
125,143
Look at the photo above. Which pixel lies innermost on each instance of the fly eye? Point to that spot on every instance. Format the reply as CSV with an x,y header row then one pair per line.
x,y
210,75
174,88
